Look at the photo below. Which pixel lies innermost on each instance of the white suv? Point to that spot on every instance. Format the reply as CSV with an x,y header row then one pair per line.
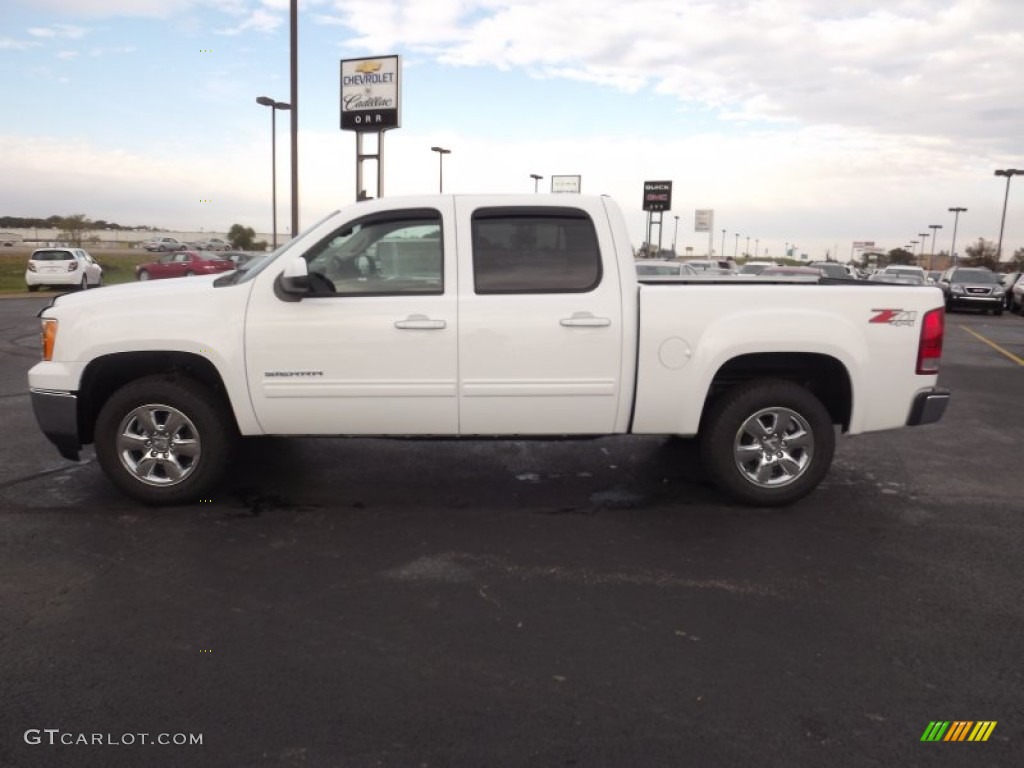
x,y
62,268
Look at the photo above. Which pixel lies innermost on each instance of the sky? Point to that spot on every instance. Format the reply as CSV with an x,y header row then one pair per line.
x,y
799,122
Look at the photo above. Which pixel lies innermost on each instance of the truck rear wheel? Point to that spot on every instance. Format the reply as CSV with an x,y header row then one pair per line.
x,y
163,439
768,442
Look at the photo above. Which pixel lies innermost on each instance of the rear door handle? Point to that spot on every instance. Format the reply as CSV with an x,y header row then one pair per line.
x,y
585,320
420,323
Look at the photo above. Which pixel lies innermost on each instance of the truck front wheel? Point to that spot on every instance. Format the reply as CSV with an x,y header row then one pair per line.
x,y
163,440
768,442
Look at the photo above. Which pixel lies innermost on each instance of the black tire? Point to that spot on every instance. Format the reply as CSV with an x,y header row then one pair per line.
x,y
143,275
33,288
171,412
806,445
190,273
161,249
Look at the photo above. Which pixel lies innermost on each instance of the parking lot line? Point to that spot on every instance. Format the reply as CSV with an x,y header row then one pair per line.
x,y
994,346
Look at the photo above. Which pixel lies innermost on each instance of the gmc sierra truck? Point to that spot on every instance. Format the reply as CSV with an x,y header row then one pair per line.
x,y
481,316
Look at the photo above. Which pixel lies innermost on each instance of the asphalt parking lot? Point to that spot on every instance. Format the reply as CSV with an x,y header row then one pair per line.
x,y
594,603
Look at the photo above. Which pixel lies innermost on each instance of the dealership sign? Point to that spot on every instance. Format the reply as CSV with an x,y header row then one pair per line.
x,y
370,94
657,195
704,221
569,184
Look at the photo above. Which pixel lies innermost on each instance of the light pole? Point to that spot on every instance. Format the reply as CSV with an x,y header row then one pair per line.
x,y
723,243
913,248
736,248
266,101
1009,173
956,220
935,238
924,242
746,251
675,232
536,181
757,244
441,152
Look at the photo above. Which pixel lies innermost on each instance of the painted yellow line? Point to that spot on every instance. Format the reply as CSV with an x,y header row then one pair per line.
x,y
996,347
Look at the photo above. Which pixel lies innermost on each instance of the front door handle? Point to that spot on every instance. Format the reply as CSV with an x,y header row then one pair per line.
x,y
420,323
585,320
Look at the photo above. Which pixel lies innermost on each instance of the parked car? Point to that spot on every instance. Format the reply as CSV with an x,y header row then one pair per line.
x,y
164,244
723,266
1017,296
184,264
833,269
803,272
755,267
662,267
901,278
62,267
973,287
1008,281
212,244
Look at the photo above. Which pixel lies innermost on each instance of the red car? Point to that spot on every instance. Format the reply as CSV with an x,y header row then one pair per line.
x,y
184,264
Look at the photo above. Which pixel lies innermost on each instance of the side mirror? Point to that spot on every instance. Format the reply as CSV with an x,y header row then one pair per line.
x,y
293,283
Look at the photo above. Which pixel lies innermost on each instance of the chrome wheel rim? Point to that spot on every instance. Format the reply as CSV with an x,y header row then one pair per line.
x,y
158,445
773,447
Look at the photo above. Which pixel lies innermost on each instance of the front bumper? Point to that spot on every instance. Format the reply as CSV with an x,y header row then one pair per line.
x,y
57,416
977,302
928,406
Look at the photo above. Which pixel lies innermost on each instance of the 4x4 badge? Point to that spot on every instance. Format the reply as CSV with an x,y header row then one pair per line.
x,y
894,317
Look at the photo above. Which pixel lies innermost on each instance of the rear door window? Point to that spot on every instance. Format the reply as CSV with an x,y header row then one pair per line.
x,y
534,251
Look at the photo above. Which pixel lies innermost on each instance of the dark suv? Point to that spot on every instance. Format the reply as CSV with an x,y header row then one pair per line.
x,y
973,287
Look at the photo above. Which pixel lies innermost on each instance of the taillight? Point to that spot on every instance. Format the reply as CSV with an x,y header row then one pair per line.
x,y
31,267
49,337
929,348
72,266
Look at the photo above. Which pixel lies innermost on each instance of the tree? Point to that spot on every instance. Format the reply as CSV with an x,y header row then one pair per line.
x,y
1017,261
74,227
241,237
982,254
900,256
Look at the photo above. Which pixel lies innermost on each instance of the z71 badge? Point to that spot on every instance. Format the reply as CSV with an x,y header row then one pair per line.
x,y
894,317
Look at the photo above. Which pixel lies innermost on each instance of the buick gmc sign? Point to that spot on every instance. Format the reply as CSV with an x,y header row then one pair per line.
x,y
657,195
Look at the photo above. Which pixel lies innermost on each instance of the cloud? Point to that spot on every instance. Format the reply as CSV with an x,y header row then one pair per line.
x,y
59,31
8,44
257,21
919,66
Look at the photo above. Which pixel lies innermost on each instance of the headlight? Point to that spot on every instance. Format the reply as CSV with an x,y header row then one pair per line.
x,y
49,337
998,292
956,288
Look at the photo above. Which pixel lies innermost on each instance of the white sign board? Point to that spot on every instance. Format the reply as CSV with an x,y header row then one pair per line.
x,y
569,184
371,94
704,221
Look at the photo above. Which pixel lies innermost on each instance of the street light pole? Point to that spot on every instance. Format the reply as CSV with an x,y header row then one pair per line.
x,y
675,233
924,241
757,245
723,242
935,237
1009,173
746,251
441,152
956,220
736,248
536,181
266,101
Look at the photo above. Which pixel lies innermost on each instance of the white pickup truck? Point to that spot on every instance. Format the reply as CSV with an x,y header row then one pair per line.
x,y
481,315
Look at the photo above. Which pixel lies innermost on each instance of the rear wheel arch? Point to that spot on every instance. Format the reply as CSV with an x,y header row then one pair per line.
x,y
824,376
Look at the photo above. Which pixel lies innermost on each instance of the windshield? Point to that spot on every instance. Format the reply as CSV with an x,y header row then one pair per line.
x,y
980,276
258,263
